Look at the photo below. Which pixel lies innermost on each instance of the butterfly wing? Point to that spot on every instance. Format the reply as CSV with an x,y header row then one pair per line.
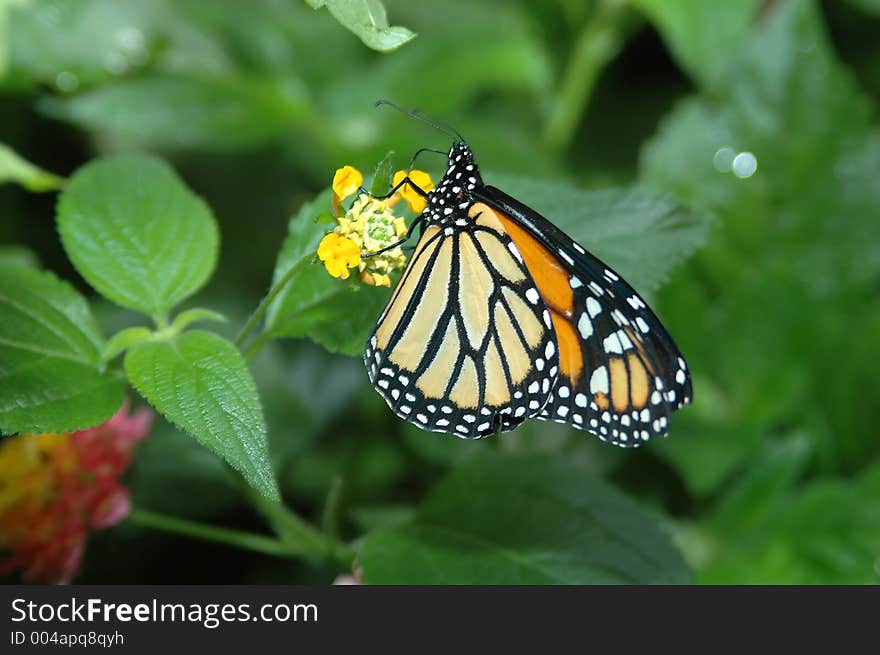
x,y
621,374
465,344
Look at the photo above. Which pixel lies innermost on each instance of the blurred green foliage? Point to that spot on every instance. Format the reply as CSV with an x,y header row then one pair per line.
x,y
770,477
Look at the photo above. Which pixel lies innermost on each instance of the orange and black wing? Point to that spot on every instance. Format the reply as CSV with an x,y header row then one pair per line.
x,y
621,375
465,344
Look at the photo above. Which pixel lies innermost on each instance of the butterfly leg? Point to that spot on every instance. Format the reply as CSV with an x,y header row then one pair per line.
x,y
498,424
501,423
395,189
405,180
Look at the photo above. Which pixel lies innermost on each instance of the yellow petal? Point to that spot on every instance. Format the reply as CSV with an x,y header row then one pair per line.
x,y
338,253
347,181
375,279
413,198
422,180
398,178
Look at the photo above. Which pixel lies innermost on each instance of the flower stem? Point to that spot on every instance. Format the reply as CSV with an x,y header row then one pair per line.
x,y
599,41
245,540
263,307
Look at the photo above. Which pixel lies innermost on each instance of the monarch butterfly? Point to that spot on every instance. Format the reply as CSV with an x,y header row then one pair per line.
x,y
500,316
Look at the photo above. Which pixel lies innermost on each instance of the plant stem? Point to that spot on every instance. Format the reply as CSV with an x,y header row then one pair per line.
x,y
161,321
263,307
597,44
329,519
300,537
245,540
256,346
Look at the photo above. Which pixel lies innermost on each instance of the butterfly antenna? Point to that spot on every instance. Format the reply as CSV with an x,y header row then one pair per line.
x,y
419,115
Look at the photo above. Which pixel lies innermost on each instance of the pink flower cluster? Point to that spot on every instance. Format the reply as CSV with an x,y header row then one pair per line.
x,y
55,488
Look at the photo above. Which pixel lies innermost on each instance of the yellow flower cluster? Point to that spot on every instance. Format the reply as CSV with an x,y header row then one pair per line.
x,y
368,226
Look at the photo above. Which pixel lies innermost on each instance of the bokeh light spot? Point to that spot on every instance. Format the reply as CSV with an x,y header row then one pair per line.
x,y
723,159
66,82
744,165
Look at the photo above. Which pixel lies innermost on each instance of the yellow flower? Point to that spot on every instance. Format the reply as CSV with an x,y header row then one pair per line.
x,y
413,198
339,253
376,279
369,226
346,182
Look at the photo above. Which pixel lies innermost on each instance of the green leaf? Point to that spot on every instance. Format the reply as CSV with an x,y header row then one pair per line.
x,y
185,112
334,313
381,517
368,21
325,218
523,520
640,233
20,171
751,499
785,234
826,530
513,61
5,7
383,175
74,44
200,382
124,339
186,318
136,233
50,355
701,35
16,255
771,86
868,6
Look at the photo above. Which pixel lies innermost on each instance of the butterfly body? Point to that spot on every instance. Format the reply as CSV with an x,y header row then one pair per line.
x,y
500,317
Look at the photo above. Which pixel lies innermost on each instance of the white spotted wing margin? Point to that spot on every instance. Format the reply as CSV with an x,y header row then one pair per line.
x,y
465,344
633,375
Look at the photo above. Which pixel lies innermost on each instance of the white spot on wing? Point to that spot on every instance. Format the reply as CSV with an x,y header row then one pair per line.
x,y
585,326
612,345
511,246
599,380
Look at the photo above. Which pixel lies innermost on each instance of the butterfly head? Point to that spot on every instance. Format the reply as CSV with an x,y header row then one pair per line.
x,y
454,189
